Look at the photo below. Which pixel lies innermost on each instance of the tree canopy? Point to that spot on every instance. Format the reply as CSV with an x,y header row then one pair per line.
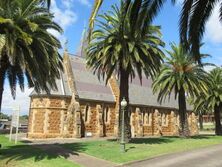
x,y
27,49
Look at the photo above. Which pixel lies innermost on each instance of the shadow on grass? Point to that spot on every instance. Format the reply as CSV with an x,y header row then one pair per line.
x,y
202,137
130,148
38,152
150,140
53,151
161,140
147,140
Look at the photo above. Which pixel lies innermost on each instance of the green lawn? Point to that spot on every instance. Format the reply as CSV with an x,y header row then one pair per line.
x,y
22,155
142,148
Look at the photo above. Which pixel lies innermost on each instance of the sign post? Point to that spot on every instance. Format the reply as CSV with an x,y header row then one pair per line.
x,y
15,123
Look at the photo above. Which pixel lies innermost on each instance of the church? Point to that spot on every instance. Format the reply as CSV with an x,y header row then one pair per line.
x,y
85,106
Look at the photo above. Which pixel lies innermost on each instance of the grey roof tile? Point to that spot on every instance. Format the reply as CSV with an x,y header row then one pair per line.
x,y
88,86
143,95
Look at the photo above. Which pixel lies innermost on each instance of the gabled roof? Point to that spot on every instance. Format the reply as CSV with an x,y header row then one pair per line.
x,y
88,86
143,95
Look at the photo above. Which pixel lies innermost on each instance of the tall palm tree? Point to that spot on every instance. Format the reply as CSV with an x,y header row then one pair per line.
x,y
125,43
182,76
47,2
200,107
194,15
212,100
97,4
154,7
28,50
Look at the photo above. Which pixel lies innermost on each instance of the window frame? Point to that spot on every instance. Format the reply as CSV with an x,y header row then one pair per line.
x,y
87,113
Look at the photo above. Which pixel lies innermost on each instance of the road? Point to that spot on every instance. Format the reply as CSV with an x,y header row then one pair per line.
x,y
204,157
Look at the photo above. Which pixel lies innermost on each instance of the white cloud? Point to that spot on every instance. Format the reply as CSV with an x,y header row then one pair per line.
x,y
85,2
214,27
22,100
68,3
64,16
209,68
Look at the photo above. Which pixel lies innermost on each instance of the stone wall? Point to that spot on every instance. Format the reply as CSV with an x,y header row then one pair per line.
x,y
47,117
115,89
149,121
98,119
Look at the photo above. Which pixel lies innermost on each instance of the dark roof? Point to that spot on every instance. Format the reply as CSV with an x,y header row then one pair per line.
x,y
88,86
143,95
62,88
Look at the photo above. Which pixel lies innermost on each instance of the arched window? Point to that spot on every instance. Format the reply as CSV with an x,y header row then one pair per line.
x,y
147,117
107,114
164,119
87,113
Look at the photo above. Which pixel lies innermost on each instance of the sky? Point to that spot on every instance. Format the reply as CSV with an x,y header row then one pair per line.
x,y
73,16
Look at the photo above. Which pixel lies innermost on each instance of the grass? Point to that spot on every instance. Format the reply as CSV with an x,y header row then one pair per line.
x,y
22,155
142,148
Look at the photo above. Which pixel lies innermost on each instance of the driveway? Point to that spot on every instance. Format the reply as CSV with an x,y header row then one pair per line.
x,y
204,157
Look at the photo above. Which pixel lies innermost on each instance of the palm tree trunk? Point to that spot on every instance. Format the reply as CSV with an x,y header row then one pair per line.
x,y
3,68
184,127
124,93
1,88
200,121
218,128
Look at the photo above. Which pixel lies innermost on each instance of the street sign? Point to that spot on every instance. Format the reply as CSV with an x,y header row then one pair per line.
x,y
15,123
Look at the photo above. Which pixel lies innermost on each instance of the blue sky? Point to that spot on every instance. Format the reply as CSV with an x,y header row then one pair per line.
x,y
73,15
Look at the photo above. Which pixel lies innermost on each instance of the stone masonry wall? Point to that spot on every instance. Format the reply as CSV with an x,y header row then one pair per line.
x,y
147,121
115,89
93,119
47,117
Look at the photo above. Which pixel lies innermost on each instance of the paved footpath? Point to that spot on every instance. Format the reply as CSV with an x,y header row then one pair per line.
x,y
79,158
204,157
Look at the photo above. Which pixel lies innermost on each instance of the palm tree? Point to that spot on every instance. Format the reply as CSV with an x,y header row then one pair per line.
x,y
212,100
27,49
97,4
200,107
154,7
182,76
47,2
127,45
194,16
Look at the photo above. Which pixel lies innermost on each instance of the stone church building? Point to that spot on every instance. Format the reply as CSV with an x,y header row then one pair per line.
x,y
85,106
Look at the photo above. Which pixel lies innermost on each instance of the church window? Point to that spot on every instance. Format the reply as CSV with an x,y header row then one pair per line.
x,y
147,117
106,114
164,119
87,113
